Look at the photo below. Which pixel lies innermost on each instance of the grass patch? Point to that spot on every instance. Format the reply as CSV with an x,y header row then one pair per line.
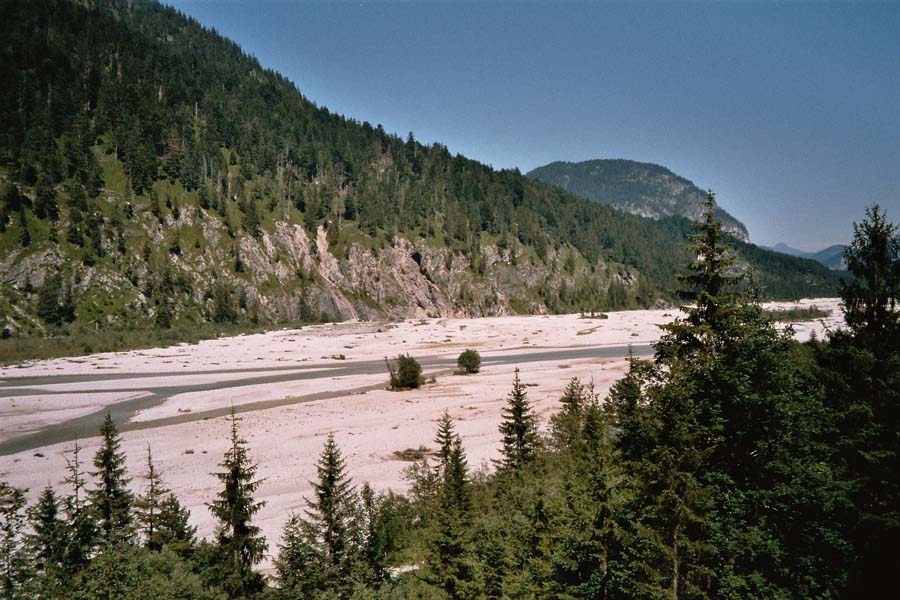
x,y
83,342
412,454
797,313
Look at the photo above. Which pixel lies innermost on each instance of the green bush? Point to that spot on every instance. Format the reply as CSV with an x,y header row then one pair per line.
x,y
406,372
469,361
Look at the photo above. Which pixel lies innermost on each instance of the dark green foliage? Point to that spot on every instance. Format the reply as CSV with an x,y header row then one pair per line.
x,y
80,520
111,499
469,361
566,425
518,429
450,566
163,521
873,258
16,564
318,552
47,544
224,305
239,543
49,308
860,371
723,435
405,373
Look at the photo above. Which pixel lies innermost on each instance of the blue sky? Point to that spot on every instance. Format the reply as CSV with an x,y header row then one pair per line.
x,y
789,111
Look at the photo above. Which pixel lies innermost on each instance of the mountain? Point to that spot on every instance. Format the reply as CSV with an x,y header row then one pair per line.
x,y
153,175
643,189
832,256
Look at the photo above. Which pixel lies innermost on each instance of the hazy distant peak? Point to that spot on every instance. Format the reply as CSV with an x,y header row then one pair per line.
x,y
644,189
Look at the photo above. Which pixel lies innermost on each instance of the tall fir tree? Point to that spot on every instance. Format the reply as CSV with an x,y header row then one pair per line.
x,y
444,438
320,550
111,499
240,543
48,541
80,523
871,299
16,564
566,424
148,506
518,429
450,565
332,507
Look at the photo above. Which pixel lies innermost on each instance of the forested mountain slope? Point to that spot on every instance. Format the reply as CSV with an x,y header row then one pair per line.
x,y
154,175
639,188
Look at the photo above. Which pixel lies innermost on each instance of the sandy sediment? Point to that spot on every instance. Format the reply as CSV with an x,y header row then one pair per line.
x,y
369,427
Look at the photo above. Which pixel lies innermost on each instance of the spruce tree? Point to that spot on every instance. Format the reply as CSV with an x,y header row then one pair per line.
x,y
79,519
565,425
240,543
518,428
712,290
111,499
148,506
871,300
332,507
860,370
318,552
16,566
48,542
444,438
173,527
449,565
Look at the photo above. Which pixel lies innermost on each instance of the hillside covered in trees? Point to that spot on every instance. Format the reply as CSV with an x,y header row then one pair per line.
x,y
155,177
737,463
639,188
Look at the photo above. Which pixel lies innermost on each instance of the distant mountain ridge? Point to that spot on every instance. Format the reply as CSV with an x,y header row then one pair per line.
x,y
644,189
832,256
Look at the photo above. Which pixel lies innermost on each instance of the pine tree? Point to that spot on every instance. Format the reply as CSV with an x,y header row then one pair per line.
x,y
149,505
873,258
173,527
712,290
82,537
860,370
378,531
449,565
48,542
48,306
519,429
331,508
15,562
240,543
111,499
565,426
444,438
318,552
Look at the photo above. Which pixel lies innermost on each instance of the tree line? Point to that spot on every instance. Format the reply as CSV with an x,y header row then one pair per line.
x,y
113,110
737,463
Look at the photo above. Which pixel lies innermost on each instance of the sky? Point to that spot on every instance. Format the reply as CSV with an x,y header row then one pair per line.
x,y
789,111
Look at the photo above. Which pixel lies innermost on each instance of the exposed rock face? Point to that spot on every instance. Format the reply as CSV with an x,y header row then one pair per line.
x,y
287,274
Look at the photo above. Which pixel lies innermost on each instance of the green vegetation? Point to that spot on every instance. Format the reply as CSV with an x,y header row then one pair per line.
x,y
405,373
469,361
736,464
154,158
79,341
797,313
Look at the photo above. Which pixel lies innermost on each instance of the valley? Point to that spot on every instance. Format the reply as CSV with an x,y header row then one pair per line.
x,y
291,388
